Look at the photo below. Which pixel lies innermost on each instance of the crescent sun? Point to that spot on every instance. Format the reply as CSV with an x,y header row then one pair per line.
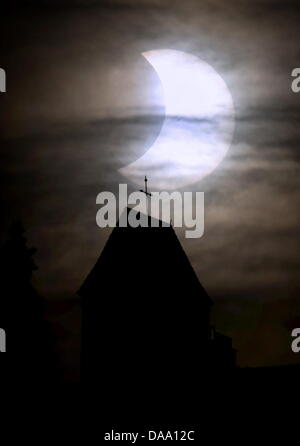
x,y
198,123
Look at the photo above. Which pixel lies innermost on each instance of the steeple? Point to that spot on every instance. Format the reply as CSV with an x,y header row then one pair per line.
x,y
143,307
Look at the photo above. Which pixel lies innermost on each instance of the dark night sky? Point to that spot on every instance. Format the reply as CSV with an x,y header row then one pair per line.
x,y
79,106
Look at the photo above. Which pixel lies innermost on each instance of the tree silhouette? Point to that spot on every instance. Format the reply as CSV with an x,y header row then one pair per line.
x,y
22,313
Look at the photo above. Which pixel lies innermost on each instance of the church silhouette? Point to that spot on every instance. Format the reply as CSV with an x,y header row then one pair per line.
x,y
146,316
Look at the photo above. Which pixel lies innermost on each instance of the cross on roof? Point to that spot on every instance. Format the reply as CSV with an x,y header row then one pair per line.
x,y
146,190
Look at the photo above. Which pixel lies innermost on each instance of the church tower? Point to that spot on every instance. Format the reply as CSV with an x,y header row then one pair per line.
x,y
146,316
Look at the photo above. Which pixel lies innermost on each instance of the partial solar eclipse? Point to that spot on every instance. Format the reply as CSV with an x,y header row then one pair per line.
x,y
198,125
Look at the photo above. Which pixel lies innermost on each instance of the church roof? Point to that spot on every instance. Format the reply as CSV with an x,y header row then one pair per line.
x,y
143,262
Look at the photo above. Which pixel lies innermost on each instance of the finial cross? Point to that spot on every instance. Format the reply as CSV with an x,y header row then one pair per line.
x,y
148,194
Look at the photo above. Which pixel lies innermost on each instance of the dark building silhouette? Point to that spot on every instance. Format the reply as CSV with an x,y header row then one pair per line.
x,y
146,316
